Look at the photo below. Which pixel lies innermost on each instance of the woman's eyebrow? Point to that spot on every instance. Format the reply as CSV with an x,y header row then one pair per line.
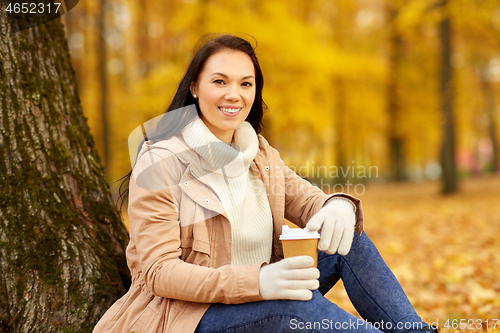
x,y
224,75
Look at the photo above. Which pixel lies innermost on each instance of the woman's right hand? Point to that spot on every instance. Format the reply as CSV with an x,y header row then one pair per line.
x,y
290,278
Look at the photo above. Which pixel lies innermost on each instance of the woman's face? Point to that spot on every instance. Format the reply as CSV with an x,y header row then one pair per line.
x,y
226,91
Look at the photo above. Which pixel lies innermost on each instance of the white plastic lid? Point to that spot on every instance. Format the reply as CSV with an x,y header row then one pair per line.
x,y
288,233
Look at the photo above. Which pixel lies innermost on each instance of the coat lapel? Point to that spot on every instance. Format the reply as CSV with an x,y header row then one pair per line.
x,y
195,185
193,181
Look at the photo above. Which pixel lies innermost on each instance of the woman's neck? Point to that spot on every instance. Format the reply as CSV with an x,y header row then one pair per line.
x,y
224,136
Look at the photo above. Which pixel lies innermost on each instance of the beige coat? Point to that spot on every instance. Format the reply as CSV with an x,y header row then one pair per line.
x,y
179,255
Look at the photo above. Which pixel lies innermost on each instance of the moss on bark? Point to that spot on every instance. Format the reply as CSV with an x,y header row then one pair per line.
x,y
61,237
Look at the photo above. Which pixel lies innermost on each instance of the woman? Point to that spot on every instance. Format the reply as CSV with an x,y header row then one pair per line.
x,y
207,201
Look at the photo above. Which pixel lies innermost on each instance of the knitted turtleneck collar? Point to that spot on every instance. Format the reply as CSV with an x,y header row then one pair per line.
x,y
217,156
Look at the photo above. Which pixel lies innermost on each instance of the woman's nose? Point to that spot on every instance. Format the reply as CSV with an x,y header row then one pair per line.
x,y
232,93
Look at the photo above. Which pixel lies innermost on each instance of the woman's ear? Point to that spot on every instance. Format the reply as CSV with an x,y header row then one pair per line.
x,y
192,88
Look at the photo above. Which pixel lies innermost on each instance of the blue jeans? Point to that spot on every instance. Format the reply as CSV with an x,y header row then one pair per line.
x,y
372,288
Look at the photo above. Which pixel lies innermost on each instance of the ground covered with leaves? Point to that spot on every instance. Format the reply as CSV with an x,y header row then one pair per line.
x,y
444,250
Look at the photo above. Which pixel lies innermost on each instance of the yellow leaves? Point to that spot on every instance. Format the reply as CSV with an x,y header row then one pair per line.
x,y
444,251
326,72
480,295
494,329
412,14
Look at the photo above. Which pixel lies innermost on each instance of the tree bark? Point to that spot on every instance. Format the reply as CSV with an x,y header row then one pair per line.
x,y
104,83
397,158
448,164
341,133
341,28
61,237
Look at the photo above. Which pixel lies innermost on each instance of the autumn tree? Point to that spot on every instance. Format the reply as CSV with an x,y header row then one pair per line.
x,y
397,161
345,80
448,164
61,237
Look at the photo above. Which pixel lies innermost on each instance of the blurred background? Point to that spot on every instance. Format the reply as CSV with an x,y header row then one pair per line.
x,y
347,82
369,85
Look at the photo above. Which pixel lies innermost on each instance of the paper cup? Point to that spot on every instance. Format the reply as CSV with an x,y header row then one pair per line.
x,y
300,242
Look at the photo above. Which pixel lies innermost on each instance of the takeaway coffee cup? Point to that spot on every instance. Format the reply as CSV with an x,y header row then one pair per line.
x,y
299,242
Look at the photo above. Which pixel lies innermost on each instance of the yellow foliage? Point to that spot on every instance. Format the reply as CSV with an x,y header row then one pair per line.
x,y
445,252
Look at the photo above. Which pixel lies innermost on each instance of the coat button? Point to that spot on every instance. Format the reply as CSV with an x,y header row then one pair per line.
x,y
207,201
185,183
266,168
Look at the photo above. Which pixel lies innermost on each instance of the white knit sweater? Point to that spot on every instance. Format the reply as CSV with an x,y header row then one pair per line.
x,y
243,195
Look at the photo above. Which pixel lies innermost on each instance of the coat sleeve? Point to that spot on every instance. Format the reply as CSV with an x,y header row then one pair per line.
x,y
303,200
155,230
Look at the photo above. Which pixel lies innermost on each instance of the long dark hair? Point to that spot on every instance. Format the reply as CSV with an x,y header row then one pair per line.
x,y
173,123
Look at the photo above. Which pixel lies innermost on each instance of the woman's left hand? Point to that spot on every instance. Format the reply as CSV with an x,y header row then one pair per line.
x,y
336,221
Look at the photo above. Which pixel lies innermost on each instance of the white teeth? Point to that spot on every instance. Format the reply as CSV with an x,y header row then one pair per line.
x,y
230,110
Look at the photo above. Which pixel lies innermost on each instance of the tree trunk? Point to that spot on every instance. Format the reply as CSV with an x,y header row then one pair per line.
x,y
61,238
397,160
448,165
495,158
104,83
341,27
340,124
489,110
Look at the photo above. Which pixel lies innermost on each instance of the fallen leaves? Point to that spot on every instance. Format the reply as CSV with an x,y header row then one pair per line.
x,y
444,250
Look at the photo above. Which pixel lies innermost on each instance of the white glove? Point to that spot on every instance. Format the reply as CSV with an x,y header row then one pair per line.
x,y
336,221
290,278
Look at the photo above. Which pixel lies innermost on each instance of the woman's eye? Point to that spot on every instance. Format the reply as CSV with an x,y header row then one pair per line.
x,y
247,84
219,81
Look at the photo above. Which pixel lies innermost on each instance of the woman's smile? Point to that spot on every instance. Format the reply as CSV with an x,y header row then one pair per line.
x,y
230,111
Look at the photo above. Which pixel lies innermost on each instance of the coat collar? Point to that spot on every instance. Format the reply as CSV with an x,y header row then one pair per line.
x,y
195,173
192,174
231,160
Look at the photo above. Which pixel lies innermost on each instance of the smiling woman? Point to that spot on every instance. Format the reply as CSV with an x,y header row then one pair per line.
x,y
226,91
207,202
